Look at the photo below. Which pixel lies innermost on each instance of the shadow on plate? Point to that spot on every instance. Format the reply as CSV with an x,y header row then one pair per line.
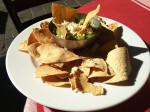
x,y
135,63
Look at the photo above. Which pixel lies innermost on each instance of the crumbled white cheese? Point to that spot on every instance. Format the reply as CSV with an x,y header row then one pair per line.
x,y
65,23
73,27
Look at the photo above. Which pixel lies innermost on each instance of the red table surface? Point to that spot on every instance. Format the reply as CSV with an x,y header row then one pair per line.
x,y
136,16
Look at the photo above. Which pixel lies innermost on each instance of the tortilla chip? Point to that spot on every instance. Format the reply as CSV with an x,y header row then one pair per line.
x,y
62,29
46,70
73,78
95,90
23,46
43,36
113,26
79,81
88,18
72,81
110,70
31,38
55,81
57,65
95,62
32,50
74,70
84,86
85,70
69,66
119,60
95,72
50,53
61,13
44,24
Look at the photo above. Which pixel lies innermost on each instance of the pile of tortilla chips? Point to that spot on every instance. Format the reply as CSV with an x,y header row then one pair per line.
x,y
106,61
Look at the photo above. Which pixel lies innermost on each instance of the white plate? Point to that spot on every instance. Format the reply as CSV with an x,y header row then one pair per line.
x,y
20,68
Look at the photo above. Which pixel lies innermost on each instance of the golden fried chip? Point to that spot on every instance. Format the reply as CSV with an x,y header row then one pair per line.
x,y
55,81
79,81
84,86
73,78
72,81
46,70
62,76
110,70
57,65
32,49
113,26
61,13
85,70
95,62
119,60
88,18
44,24
71,65
74,70
96,72
50,53
23,46
95,90
43,36
62,30
31,38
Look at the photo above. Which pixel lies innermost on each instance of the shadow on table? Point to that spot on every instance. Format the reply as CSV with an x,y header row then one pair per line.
x,y
3,20
11,99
